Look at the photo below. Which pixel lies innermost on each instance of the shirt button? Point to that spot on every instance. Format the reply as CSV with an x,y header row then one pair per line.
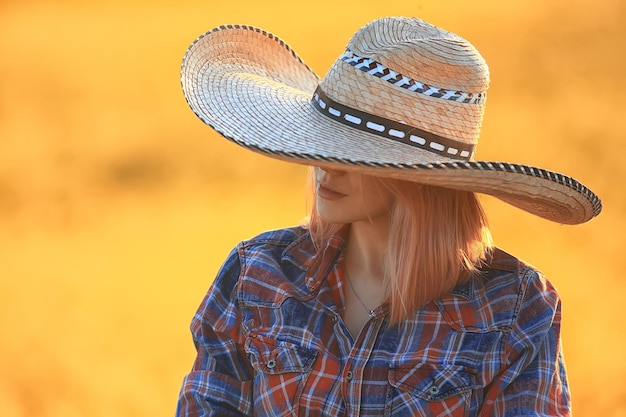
x,y
334,318
434,390
271,364
349,376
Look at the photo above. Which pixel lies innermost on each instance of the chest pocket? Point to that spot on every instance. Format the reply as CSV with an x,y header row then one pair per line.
x,y
277,357
281,371
429,390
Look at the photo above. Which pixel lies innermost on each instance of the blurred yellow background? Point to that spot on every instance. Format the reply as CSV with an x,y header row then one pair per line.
x,y
117,205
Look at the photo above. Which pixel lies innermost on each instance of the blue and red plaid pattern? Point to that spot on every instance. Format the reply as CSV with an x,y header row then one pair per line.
x,y
271,341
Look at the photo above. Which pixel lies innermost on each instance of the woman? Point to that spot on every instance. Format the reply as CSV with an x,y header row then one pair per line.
x,y
392,300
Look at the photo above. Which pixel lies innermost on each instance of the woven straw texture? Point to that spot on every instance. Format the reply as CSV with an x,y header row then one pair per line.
x,y
252,88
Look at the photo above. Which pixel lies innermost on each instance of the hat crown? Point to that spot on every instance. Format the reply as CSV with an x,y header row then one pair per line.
x,y
442,64
423,52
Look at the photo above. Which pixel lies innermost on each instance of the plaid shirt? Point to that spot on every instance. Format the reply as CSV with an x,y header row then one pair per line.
x,y
271,342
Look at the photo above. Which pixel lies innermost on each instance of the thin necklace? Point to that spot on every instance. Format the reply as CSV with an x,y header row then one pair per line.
x,y
371,312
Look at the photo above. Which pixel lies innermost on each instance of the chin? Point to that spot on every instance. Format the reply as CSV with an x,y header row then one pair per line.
x,y
332,218
330,214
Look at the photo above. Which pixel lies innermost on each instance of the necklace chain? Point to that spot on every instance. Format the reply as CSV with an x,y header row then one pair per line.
x,y
370,311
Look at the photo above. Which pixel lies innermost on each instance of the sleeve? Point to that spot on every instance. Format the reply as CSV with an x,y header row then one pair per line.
x,y
219,383
534,381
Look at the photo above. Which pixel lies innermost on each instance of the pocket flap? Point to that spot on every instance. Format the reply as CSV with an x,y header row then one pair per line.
x,y
432,382
277,357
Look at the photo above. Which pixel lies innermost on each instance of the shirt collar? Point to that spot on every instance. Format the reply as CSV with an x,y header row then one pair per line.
x,y
316,263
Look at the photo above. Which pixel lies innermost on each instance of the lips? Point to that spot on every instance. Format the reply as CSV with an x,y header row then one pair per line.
x,y
327,193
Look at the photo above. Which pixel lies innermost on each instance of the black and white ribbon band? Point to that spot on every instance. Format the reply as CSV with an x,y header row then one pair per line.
x,y
379,70
391,129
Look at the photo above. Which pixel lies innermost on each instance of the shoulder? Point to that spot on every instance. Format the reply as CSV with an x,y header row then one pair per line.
x,y
276,246
255,267
261,251
503,292
274,265
274,238
507,274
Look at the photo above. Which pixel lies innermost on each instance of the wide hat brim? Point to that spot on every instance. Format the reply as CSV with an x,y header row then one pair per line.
x,y
254,90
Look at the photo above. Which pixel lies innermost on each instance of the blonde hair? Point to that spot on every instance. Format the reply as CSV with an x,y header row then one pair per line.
x,y
437,239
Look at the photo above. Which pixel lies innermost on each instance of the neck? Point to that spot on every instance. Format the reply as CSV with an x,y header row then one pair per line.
x,y
365,253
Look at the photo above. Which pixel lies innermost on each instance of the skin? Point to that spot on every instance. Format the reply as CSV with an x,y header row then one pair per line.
x,y
357,199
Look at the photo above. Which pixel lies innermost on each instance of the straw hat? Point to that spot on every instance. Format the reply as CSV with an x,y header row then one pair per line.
x,y
405,100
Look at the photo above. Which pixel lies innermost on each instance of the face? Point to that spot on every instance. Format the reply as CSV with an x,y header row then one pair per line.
x,y
350,197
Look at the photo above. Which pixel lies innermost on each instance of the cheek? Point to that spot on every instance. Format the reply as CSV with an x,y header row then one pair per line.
x,y
378,207
331,212
378,201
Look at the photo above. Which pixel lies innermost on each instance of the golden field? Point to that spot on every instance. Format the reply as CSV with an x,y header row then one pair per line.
x,y
117,205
